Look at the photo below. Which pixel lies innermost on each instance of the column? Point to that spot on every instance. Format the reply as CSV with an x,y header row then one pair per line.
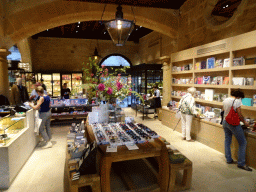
x,y
4,82
166,83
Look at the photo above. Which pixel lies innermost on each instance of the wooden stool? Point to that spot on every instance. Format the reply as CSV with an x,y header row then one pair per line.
x,y
92,180
187,175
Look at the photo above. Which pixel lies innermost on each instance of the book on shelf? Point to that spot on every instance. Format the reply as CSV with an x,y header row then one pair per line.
x,y
199,80
216,97
238,61
206,80
196,80
197,66
219,63
214,81
217,112
186,67
203,64
226,81
226,62
208,109
249,81
247,101
219,80
238,81
209,94
210,63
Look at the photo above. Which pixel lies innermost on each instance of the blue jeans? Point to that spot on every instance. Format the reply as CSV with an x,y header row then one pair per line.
x,y
45,129
239,134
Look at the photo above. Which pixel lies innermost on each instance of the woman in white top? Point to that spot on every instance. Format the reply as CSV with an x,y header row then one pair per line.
x,y
237,131
187,109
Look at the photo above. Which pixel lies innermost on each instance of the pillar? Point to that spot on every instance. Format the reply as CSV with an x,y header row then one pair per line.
x,y
166,83
4,82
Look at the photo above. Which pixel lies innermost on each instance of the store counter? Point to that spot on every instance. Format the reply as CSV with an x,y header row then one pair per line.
x,y
212,135
15,150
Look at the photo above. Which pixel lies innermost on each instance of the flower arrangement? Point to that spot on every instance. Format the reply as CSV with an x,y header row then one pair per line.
x,y
102,84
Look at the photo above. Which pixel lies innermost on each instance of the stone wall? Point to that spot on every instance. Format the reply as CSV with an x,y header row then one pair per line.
x,y
64,55
153,46
197,27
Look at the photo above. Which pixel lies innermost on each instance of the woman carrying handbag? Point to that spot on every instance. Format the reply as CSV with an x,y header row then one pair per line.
x,y
231,125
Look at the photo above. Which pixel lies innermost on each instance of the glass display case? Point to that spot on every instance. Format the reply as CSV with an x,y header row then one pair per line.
x,y
77,82
144,76
9,127
56,84
66,78
48,83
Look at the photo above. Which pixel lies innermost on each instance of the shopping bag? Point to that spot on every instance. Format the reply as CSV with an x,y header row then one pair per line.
x,y
38,122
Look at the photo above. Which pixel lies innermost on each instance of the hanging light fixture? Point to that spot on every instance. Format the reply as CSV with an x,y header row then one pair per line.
x,y
96,54
119,29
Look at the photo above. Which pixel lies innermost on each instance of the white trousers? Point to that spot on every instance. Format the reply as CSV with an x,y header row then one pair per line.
x,y
186,121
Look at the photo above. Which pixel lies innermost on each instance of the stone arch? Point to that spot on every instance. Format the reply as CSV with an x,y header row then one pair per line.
x,y
214,24
29,21
116,54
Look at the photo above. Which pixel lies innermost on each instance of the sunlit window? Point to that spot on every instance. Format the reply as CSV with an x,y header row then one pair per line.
x,y
116,61
15,54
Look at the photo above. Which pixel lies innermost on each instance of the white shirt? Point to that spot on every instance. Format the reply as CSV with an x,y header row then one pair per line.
x,y
157,93
227,103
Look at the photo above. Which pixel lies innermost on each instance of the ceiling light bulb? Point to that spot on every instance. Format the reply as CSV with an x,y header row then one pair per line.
x,y
47,29
76,31
77,25
140,26
226,5
78,22
119,22
119,26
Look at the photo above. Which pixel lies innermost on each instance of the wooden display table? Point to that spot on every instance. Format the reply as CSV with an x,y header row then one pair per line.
x,y
157,148
92,180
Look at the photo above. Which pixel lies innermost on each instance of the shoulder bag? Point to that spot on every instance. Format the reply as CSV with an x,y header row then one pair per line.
x,y
233,118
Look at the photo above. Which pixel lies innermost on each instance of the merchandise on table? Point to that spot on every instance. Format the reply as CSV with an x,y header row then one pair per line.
x,y
140,132
153,134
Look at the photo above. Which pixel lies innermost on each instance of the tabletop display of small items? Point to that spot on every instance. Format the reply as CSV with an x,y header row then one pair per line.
x,y
122,134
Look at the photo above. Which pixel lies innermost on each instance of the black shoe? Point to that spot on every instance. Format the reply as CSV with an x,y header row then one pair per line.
x,y
246,168
231,162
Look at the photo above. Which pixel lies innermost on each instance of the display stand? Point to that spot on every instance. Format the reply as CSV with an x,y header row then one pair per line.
x,y
16,152
156,148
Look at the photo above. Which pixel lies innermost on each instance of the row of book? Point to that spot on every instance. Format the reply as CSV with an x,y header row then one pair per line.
x,y
208,80
182,81
243,81
209,95
183,68
212,62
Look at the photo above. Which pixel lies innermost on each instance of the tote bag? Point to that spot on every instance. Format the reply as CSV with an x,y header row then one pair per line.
x,y
233,118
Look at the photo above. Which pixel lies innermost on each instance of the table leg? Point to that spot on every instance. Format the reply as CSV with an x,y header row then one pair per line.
x,y
164,170
105,169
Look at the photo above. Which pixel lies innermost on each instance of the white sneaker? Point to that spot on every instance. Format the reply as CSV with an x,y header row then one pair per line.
x,y
48,145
